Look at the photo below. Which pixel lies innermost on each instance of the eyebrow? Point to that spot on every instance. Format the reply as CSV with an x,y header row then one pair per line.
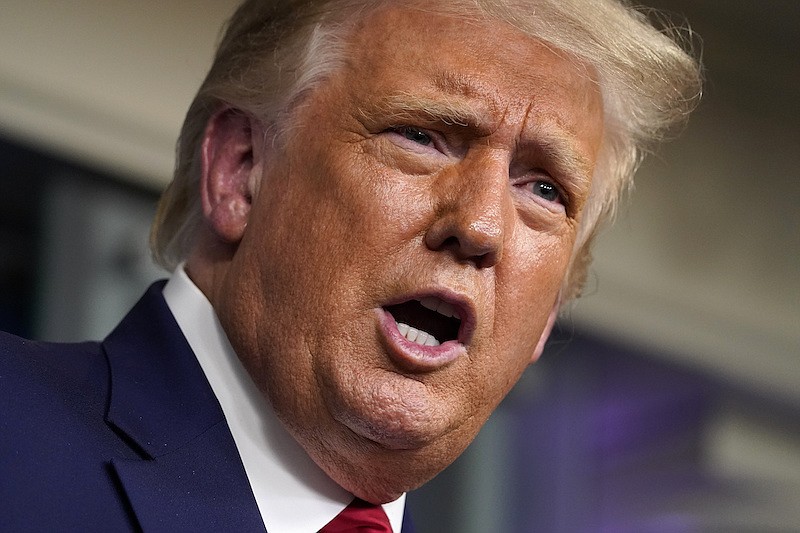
x,y
404,106
453,108
552,142
558,148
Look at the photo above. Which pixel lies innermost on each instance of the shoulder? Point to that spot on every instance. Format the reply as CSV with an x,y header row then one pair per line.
x,y
54,441
44,386
30,367
18,350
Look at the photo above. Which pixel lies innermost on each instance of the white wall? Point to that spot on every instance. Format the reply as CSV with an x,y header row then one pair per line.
x,y
105,81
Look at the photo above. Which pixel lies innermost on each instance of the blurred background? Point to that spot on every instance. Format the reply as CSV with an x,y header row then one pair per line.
x,y
669,398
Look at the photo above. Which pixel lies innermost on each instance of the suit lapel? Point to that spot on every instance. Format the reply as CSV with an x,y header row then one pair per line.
x,y
408,525
192,489
190,476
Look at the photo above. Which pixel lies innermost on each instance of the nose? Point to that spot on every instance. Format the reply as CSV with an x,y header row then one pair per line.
x,y
472,211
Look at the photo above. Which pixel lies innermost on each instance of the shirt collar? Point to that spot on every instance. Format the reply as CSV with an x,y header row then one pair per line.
x,y
293,494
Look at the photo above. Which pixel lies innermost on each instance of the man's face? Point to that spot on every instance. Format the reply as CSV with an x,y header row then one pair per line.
x,y
435,183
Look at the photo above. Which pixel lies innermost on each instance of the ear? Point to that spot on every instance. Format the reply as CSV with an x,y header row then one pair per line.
x,y
551,320
231,157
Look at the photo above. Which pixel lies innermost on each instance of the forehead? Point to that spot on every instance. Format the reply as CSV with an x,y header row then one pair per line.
x,y
485,61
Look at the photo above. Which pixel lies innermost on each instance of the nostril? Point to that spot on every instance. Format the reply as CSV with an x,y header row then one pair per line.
x,y
450,243
483,254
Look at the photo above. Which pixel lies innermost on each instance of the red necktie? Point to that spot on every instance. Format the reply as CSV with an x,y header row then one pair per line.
x,y
359,516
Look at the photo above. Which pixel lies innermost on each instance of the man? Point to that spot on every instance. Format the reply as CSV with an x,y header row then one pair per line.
x,y
378,210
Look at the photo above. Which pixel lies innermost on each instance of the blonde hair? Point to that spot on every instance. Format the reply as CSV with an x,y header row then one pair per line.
x,y
273,52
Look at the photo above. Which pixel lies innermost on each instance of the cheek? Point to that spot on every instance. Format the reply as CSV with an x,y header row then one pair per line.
x,y
529,282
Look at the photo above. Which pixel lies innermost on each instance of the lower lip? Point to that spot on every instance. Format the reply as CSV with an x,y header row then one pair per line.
x,y
413,357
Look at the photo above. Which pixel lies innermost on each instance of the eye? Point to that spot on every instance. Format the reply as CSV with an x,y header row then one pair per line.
x,y
414,135
546,190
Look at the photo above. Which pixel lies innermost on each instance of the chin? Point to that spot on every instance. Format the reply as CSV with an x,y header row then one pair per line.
x,y
413,451
378,462
397,414
394,434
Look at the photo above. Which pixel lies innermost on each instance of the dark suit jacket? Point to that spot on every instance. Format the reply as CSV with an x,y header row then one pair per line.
x,y
120,435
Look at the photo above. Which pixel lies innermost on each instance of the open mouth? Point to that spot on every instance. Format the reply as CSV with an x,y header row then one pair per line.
x,y
428,321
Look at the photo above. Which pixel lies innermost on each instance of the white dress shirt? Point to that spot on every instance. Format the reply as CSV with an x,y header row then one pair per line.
x,y
293,494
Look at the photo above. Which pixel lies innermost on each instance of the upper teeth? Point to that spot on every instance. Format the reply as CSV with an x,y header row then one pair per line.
x,y
435,304
416,335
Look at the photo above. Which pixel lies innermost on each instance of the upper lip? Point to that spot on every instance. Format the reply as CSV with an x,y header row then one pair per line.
x,y
463,306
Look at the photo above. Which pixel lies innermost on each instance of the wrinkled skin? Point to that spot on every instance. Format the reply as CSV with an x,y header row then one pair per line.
x,y
375,198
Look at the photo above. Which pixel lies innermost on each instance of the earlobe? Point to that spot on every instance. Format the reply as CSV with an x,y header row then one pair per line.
x,y
231,163
548,328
